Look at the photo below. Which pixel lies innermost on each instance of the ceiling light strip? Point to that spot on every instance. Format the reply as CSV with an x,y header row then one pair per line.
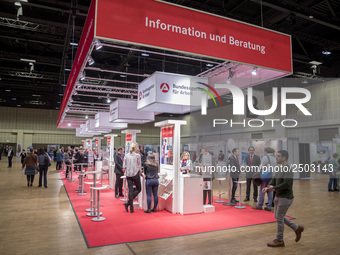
x,y
116,72
160,53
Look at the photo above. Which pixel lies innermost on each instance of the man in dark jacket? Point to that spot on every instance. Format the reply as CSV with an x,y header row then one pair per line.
x,y
235,172
119,172
253,162
10,156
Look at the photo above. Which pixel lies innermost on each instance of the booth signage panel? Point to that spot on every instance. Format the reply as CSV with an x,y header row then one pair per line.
x,y
103,121
125,110
84,45
167,132
173,93
128,137
163,25
147,92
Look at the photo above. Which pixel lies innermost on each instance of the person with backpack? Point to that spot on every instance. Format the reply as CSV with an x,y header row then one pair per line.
x,y
267,160
44,162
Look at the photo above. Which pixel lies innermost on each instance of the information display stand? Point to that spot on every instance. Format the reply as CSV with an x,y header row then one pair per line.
x,y
170,145
110,150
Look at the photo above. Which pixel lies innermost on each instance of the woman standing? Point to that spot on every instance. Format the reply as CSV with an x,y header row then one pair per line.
x,y
60,157
68,157
44,161
31,166
151,184
23,156
185,162
132,167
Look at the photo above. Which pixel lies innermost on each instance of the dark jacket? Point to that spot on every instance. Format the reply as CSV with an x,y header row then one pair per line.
x,y
235,167
150,171
119,163
255,162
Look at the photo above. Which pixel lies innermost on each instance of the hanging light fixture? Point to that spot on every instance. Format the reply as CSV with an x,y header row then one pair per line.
x,y
254,72
98,44
90,60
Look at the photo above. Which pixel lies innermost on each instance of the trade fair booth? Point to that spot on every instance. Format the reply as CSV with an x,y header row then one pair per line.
x,y
248,55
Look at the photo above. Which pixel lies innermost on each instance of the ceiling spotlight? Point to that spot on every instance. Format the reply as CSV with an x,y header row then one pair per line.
x,y
145,54
31,66
123,75
67,69
209,65
14,99
73,44
98,44
108,98
228,81
19,9
82,76
326,52
8,90
63,85
90,60
27,60
69,124
86,117
19,105
254,72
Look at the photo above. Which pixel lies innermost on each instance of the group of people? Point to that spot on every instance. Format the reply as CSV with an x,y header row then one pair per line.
x,y
34,163
131,165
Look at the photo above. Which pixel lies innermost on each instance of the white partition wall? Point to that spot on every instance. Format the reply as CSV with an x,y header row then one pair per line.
x,y
171,129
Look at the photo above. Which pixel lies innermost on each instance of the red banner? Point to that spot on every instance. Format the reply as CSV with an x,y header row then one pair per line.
x,y
167,26
128,137
167,132
84,45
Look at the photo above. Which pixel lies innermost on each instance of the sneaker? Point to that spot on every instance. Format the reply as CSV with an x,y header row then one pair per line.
x,y
276,243
298,232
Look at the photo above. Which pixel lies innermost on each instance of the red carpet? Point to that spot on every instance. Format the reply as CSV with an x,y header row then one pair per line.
x,y
123,227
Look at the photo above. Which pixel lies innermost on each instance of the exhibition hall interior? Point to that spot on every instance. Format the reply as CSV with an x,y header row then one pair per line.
x,y
169,126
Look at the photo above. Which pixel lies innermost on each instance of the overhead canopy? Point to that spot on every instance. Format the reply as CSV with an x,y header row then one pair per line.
x,y
162,31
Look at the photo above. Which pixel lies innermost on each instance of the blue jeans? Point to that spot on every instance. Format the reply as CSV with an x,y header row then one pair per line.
x,y
333,179
152,186
43,171
261,196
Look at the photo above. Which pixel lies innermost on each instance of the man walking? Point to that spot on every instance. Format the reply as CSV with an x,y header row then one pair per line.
x,y
282,183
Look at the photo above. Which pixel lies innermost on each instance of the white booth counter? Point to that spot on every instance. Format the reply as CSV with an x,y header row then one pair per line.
x,y
190,194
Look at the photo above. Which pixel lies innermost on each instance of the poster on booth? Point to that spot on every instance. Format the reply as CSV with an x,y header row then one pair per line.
x,y
128,141
167,136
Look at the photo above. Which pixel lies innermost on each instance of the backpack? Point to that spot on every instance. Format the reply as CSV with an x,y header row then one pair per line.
x,y
47,161
268,175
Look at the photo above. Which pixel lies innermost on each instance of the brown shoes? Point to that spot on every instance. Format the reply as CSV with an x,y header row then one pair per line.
x,y
298,232
276,243
267,209
257,208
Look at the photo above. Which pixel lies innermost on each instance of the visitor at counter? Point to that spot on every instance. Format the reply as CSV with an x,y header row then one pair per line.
x,y
151,183
30,163
43,160
76,157
23,156
68,162
81,160
132,167
10,154
282,183
119,172
234,162
252,160
267,160
60,157
185,162
332,170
